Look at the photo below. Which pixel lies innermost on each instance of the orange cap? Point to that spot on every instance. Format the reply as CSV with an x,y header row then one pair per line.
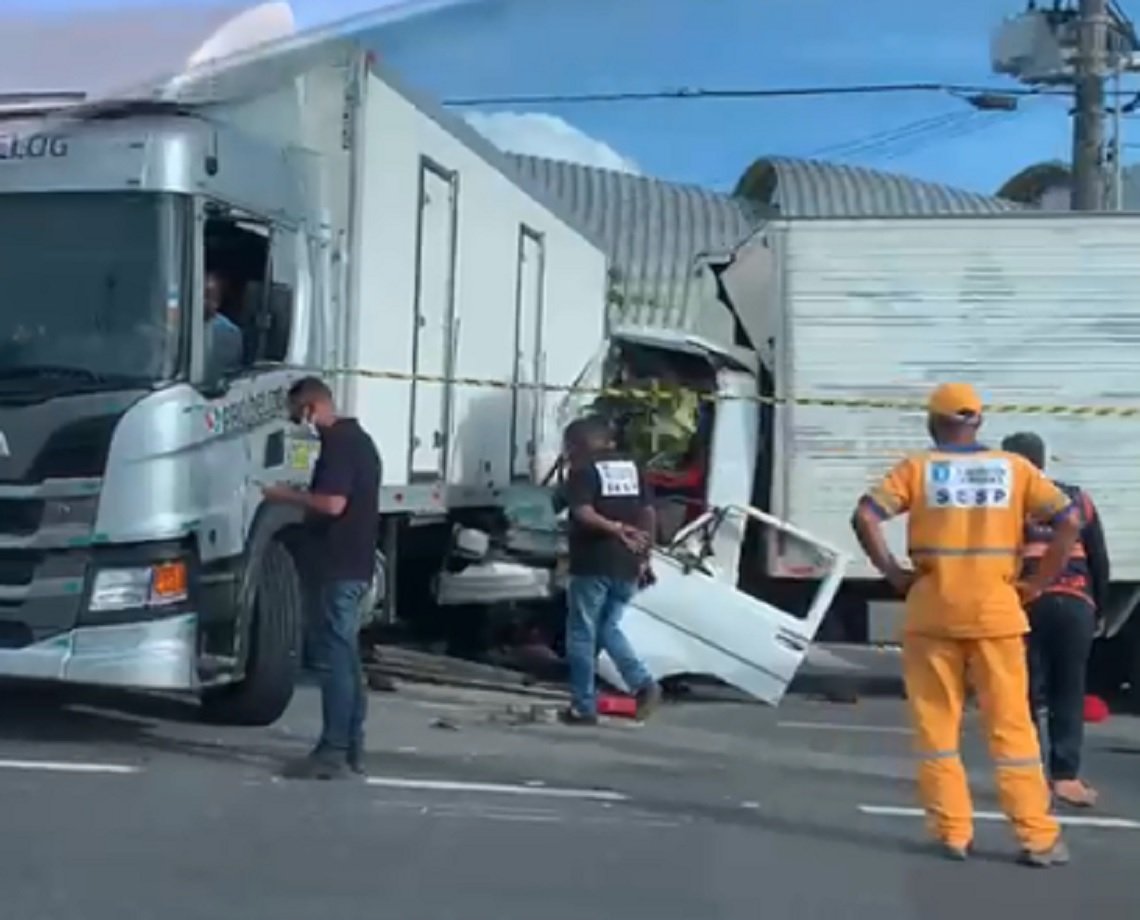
x,y
955,399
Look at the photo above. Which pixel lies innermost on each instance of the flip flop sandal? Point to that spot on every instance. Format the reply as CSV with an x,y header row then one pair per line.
x,y
1087,799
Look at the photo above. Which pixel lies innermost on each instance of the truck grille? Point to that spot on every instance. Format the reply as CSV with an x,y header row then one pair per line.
x,y
15,635
17,568
20,517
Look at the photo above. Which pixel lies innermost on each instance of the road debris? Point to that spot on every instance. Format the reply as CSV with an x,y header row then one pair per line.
x,y
395,663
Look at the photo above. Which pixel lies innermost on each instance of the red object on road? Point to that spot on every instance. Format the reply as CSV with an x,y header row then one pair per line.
x,y
1096,709
612,704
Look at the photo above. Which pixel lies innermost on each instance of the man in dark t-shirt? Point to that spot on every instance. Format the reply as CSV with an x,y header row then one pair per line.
x,y
341,507
611,519
1062,628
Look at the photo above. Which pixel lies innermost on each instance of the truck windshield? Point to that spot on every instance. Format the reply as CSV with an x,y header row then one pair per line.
x,y
91,289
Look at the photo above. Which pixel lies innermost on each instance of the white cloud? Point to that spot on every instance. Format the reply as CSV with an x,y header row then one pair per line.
x,y
541,135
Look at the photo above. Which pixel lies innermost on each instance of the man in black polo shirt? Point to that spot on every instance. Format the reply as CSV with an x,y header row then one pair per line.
x,y
611,519
342,508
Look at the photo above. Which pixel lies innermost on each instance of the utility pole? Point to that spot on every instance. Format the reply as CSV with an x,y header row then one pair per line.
x,y
1077,43
1088,119
1117,144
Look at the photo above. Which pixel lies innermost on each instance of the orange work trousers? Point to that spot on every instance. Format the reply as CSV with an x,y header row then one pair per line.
x,y
937,672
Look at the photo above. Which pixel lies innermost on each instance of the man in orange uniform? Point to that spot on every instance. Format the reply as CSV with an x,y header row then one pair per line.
x,y
965,620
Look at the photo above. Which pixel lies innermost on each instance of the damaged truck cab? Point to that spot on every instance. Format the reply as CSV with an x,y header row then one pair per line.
x,y
697,618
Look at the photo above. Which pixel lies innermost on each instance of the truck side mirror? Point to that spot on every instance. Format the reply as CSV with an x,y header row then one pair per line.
x,y
215,389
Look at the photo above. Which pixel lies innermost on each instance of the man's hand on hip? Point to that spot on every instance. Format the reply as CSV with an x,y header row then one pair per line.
x,y
899,577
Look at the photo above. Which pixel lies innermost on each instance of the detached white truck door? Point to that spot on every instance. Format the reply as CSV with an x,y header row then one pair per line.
x,y
695,620
434,330
526,399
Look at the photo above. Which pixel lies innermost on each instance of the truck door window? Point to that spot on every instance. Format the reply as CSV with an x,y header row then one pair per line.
x,y
275,323
237,253
249,288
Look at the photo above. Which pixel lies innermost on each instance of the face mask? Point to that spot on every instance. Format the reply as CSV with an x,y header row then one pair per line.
x,y
305,419
310,425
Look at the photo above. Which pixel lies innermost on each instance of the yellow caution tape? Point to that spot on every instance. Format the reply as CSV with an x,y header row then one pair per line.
x,y
658,394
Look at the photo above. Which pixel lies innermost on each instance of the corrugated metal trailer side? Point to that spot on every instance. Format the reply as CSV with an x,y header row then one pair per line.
x,y
1030,308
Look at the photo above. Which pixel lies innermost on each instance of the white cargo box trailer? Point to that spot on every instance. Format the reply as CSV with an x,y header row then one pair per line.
x,y
851,323
449,267
505,291
1034,309
375,239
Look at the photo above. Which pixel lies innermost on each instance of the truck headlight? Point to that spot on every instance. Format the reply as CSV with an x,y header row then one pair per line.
x,y
150,586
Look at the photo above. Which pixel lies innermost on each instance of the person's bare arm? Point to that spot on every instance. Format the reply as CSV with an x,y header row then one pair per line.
x,y
588,516
891,497
1066,530
647,519
330,505
332,483
1096,551
869,532
1047,503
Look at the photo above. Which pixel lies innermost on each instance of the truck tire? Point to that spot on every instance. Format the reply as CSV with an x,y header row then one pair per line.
x,y
262,697
372,606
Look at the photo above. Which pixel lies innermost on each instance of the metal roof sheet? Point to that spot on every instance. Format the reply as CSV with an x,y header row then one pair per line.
x,y
657,235
809,188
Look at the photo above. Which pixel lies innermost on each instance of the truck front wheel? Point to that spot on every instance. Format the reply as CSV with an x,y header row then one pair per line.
x,y
276,618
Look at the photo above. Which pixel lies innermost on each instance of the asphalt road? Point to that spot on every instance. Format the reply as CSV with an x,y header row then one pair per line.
x,y
117,808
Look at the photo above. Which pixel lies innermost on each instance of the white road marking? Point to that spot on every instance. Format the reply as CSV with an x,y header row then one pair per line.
x,y
440,785
518,818
847,727
894,811
529,815
66,766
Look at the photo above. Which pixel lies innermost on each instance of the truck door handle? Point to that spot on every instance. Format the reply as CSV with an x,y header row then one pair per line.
x,y
274,453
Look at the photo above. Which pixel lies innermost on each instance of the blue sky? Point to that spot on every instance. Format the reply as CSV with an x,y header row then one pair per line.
x,y
572,46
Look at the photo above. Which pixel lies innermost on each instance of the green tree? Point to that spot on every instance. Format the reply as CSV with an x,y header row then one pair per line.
x,y
1031,183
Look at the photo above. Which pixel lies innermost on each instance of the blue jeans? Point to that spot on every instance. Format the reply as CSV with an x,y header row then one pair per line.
x,y
594,606
344,701
1060,639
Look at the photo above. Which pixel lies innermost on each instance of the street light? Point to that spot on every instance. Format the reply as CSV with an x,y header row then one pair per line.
x,y
992,102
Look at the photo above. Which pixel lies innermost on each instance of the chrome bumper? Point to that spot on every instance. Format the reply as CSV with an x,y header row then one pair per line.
x,y
152,655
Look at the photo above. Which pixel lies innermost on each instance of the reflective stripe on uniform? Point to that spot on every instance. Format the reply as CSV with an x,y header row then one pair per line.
x,y
938,755
1038,548
963,551
1017,762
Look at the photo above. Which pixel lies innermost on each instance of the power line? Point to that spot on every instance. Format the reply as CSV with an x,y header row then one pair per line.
x,y
971,123
788,92
884,140
975,123
910,137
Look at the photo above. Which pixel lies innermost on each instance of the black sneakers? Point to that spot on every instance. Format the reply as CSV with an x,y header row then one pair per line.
x,y
326,764
320,764
953,852
571,716
1056,855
